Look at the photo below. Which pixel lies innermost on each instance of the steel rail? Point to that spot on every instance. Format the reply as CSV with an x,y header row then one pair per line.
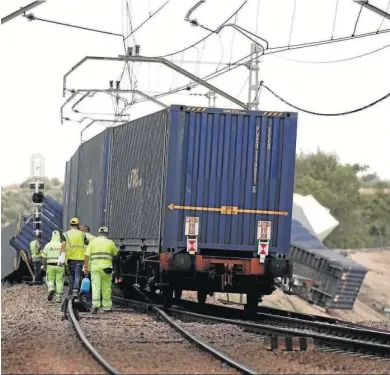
x,y
87,344
147,305
331,340
300,322
337,335
216,353
303,316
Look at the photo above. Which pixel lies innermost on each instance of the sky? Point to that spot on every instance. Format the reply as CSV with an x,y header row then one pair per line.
x,y
36,55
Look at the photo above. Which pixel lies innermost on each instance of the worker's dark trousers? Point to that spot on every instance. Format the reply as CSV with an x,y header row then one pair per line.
x,y
88,296
37,270
75,270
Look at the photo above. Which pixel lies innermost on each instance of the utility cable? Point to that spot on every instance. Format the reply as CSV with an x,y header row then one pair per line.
x,y
357,19
242,61
147,19
335,18
130,19
383,19
336,61
232,42
31,17
204,38
257,15
330,41
326,114
292,22
242,88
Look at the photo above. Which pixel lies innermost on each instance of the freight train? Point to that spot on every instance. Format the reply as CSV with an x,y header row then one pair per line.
x,y
196,198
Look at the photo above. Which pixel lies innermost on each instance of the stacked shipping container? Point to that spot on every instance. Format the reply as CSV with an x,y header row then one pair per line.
x,y
128,176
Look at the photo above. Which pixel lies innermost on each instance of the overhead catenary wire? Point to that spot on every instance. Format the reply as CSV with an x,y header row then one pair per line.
x,y
383,18
339,60
147,19
324,114
257,15
244,60
204,38
292,22
130,19
335,18
32,17
357,20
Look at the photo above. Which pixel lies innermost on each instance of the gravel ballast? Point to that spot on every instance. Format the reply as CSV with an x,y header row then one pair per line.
x,y
139,344
250,349
34,340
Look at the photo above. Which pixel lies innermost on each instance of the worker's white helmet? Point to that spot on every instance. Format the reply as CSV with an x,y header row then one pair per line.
x,y
103,230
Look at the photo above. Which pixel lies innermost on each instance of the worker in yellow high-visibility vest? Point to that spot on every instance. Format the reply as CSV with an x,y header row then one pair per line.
x,y
87,231
73,244
36,256
90,237
55,274
99,255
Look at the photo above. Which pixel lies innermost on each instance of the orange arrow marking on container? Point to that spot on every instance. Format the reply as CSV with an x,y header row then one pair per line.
x,y
227,210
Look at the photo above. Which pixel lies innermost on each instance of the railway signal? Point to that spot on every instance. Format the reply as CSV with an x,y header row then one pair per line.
x,y
38,197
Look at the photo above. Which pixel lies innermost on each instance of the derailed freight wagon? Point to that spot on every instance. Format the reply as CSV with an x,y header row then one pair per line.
x,y
10,258
200,198
332,280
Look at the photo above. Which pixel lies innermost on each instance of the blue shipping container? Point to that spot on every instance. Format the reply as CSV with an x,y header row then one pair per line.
x,y
187,161
51,220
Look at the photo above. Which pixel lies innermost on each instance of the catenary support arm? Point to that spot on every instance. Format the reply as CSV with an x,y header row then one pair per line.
x,y
92,122
373,8
157,60
22,10
109,91
89,94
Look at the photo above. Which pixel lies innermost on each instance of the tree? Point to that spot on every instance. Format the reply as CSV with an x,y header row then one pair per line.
x,y
336,186
16,200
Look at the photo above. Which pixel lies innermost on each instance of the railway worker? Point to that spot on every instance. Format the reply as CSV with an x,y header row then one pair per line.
x,y
90,237
55,274
36,256
87,231
73,244
99,255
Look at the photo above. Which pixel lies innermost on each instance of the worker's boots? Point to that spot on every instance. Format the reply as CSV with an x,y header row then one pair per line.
x,y
94,310
51,295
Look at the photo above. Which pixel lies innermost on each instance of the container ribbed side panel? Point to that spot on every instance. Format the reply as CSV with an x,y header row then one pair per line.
x,y
7,251
336,280
136,178
239,159
91,181
65,216
73,185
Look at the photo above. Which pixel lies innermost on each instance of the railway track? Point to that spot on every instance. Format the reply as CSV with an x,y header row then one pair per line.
x,y
146,307
74,318
293,314
330,334
326,334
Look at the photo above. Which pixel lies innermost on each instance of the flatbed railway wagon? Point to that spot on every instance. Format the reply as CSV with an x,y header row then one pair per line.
x,y
198,199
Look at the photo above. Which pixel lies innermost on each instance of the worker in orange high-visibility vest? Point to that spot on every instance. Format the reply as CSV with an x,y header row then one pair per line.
x,y
73,245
